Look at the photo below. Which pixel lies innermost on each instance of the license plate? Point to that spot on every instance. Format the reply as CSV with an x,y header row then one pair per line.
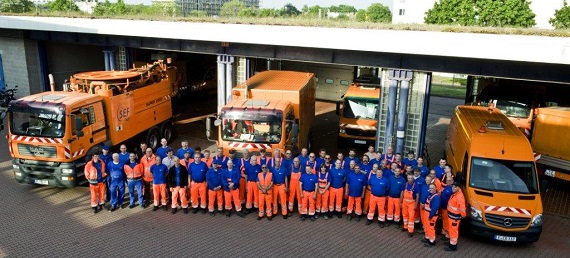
x,y
41,182
359,141
505,238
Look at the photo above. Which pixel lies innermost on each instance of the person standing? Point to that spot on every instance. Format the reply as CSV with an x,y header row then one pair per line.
x,y
379,186
168,161
220,158
106,157
159,172
303,157
280,187
215,191
207,158
411,159
440,168
456,212
336,189
424,169
230,179
197,173
424,194
409,199
252,189
178,183
322,203
141,151
431,207
244,163
183,149
163,149
294,191
389,155
147,161
264,186
371,154
124,156
116,182
394,209
351,157
308,183
444,200
355,185
134,172
96,176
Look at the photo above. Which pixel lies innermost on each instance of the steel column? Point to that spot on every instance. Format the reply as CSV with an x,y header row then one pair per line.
x,y
221,82
391,113
107,65
229,77
402,116
424,118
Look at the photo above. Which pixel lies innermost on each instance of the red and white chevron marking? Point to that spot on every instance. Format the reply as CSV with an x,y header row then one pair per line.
x,y
250,145
364,127
36,139
537,156
508,209
68,153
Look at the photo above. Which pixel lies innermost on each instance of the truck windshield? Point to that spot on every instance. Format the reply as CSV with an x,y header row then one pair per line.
x,y
512,108
258,127
37,123
503,176
362,108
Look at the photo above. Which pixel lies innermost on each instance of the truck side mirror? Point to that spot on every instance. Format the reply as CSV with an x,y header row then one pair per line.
x,y
337,108
294,133
217,122
78,123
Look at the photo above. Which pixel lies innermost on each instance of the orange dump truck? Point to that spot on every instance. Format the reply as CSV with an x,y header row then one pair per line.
x,y
551,140
358,116
271,110
52,134
498,174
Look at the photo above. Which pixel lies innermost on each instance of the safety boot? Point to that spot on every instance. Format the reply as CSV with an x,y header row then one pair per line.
x,y
241,214
194,210
429,244
368,222
185,210
95,210
165,207
173,211
326,215
313,218
450,248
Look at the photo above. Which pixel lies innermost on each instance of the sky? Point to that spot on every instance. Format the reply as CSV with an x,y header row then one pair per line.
x,y
358,4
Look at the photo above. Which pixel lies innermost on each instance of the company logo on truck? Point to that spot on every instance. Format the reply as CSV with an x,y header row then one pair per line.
x,y
123,113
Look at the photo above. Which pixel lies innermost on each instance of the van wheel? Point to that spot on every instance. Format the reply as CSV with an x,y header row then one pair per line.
x,y
153,138
166,130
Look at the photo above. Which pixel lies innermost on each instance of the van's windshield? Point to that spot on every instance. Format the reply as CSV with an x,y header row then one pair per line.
x,y
363,108
503,176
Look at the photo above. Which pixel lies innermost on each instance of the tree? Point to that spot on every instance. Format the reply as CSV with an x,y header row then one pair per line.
x,y
315,9
268,12
119,7
378,13
343,9
247,12
16,6
63,6
361,15
197,13
232,8
489,13
289,10
561,19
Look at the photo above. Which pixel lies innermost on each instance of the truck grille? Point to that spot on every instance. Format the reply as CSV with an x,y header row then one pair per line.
x,y
360,132
506,222
37,151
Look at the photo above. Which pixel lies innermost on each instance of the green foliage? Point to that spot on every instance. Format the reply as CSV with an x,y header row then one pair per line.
x,y
289,10
268,12
342,9
361,15
314,10
561,19
342,16
486,13
16,6
63,6
197,13
247,12
378,13
232,8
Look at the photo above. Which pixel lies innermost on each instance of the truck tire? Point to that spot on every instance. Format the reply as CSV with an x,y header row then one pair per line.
x,y
153,138
166,130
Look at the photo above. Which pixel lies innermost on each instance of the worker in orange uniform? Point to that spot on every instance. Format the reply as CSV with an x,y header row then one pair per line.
x,y
456,212
159,172
322,202
230,179
355,185
197,174
178,184
379,186
294,191
264,183
336,189
308,183
445,195
147,161
394,210
215,191
134,172
96,176
431,209
252,190
280,186
409,199
244,163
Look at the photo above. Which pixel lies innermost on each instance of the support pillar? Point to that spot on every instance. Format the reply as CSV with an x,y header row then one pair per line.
x,y
402,113
221,82
391,113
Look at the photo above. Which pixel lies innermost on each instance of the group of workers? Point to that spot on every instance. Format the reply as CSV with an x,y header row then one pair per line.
x,y
395,190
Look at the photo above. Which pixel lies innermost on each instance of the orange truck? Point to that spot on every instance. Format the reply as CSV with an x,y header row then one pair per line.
x,y
271,110
498,174
551,141
358,115
52,134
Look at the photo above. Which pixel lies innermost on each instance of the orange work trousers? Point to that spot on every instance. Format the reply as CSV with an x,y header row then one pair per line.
x,y
429,226
408,212
97,194
252,195
294,194
394,209
380,203
352,202
265,206
417,214
159,192
335,198
453,226
215,196
366,201
279,194
179,192
322,202
424,219
308,203
445,223
232,195
242,190
198,190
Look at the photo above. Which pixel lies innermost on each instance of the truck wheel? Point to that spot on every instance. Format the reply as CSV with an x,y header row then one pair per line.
x,y
153,138
166,130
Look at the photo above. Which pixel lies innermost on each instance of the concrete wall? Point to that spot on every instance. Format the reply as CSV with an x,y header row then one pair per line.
x,y
66,59
20,62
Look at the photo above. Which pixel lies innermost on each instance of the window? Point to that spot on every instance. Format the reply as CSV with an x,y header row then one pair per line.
x,y
344,82
329,81
402,12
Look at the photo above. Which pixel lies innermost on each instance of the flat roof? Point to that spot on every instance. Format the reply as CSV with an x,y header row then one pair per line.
x,y
523,48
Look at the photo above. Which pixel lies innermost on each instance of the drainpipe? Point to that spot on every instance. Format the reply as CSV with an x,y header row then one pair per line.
x,y
221,82
106,54
390,112
402,114
229,77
